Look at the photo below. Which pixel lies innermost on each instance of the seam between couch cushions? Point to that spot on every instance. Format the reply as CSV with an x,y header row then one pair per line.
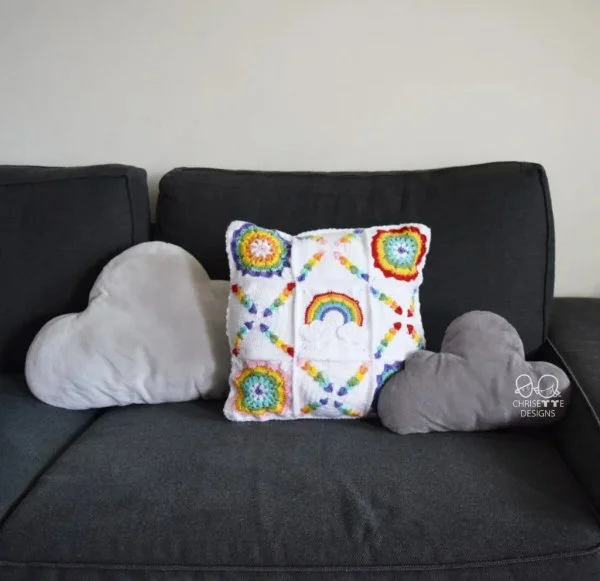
x,y
575,381
549,229
131,219
308,569
596,418
47,466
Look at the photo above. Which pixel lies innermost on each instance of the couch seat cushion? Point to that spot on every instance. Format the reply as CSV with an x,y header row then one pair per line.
x,y
177,484
32,436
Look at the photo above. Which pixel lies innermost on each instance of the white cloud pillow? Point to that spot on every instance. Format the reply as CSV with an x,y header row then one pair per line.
x,y
317,322
154,331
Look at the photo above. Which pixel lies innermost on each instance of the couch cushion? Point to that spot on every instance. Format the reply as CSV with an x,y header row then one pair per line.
x,y
176,485
58,228
492,232
32,434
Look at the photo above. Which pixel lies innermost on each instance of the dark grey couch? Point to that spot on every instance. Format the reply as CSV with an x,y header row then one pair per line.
x,y
175,492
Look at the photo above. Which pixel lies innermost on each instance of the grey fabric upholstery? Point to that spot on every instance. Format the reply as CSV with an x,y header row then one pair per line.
x,y
575,331
58,228
176,485
32,435
575,344
492,244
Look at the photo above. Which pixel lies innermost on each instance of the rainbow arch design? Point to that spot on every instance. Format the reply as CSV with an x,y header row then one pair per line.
x,y
323,304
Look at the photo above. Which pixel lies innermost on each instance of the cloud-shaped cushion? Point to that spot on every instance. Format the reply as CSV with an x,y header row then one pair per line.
x,y
479,381
154,331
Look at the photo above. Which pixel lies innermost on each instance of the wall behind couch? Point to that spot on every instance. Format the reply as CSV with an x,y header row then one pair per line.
x,y
314,84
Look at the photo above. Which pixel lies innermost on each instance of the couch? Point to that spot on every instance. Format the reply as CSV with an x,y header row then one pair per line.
x,y
176,492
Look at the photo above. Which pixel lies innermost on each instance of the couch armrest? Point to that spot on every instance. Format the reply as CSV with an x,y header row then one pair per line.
x,y
574,345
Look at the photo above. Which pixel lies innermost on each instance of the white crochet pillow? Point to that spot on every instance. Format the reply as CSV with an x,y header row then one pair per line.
x,y
317,322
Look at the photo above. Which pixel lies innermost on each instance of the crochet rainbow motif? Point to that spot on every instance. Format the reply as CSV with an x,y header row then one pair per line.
x,y
387,339
241,296
323,304
260,389
318,376
398,253
310,264
276,340
324,382
239,337
350,266
260,252
283,296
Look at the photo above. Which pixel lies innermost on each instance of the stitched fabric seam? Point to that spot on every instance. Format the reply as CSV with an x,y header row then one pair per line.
x,y
46,467
131,218
315,569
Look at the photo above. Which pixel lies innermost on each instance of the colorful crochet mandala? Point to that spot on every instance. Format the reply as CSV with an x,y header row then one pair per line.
x,y
318,322
260,252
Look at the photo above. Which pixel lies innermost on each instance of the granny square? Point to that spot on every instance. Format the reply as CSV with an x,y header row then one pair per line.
x,y
319,321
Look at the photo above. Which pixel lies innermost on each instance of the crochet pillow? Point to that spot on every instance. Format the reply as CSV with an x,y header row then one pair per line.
x,y
317,322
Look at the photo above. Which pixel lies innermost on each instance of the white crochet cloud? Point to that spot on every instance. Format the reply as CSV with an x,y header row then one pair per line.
x,y
154,331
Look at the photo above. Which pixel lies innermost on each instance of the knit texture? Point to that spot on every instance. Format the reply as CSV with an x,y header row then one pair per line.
x,y
319,321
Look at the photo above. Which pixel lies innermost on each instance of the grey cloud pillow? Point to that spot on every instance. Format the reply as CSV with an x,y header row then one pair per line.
x,y
154,331
479,381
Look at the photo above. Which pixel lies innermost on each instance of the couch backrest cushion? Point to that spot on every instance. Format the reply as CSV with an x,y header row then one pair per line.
x,y
58,228
492,235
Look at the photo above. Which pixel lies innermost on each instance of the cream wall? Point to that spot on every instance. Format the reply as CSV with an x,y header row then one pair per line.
x,y
314,84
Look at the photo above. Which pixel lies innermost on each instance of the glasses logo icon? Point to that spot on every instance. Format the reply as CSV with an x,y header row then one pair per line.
x,y
546,388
